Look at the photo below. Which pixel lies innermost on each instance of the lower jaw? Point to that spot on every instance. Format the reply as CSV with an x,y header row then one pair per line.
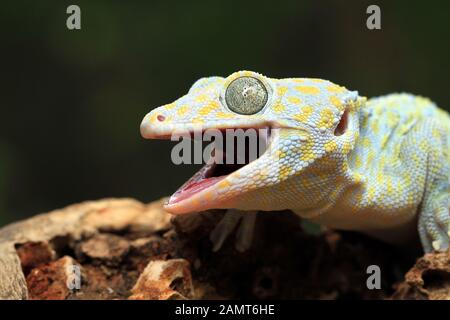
x,y
189,193
198,192
194,196
192,204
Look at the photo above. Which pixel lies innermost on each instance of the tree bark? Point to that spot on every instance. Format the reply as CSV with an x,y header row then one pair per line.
x,y
75,221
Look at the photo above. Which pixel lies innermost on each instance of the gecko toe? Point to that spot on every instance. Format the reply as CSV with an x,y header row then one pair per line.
x,y
244,236
224,228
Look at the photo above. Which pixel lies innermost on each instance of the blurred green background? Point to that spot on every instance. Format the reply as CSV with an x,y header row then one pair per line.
x,y
72,101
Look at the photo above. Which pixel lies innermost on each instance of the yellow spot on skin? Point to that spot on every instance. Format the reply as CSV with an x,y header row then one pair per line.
x,y
309,155
307,151
392,118
279,154
307,89
304,116
384,140
201,98
197,120
335,89
153,118
335,101
224,184
366,142
375,127
282,91
424,146
294,100
380,178
182,110
284,172
358,162
223,115
346,147
330,146
307,109
279,107
169,106
326,118
208,108
435,132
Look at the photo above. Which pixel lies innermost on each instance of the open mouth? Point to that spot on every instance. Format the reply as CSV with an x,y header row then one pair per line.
x,y
236,151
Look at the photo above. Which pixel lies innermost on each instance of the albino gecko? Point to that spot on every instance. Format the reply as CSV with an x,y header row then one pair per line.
x,y
379,166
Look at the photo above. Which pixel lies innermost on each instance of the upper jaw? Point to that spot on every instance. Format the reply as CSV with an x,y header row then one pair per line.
x,y
152,128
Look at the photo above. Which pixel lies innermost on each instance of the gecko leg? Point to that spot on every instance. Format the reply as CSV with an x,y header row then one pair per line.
x,y
434,223
426,143
228,223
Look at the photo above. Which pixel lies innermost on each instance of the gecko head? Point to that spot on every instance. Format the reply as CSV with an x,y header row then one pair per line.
x,y
304,129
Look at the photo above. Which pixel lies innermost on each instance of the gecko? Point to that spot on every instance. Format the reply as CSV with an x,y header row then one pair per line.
x,y
379,166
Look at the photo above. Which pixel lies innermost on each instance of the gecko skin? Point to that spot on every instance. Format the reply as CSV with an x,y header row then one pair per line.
x,y
379,166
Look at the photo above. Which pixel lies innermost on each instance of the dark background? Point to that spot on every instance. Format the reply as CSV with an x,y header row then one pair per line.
x,y
72,101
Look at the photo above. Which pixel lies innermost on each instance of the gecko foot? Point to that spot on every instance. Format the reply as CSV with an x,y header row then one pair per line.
x,y
225,227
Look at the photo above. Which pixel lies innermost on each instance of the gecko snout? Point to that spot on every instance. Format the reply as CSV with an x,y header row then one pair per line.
x,y
149,125
155,126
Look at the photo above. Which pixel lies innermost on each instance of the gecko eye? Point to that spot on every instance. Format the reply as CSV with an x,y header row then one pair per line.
x,y
246,95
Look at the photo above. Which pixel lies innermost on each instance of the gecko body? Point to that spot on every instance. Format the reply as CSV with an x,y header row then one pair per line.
x,y
379,166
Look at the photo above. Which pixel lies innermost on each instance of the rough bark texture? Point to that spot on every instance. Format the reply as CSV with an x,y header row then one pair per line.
x,y
123,249
45,237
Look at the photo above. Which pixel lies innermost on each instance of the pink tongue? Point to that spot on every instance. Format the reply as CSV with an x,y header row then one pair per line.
x,y
194,188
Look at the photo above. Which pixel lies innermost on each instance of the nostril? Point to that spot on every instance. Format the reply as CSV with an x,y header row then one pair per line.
x,y
160,117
